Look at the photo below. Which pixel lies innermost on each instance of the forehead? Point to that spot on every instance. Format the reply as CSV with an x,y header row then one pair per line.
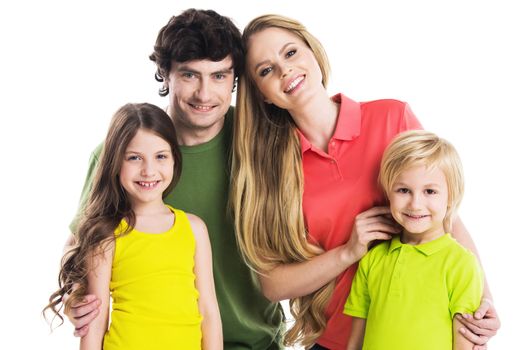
x,y
268,41
422,175
204,66
146,139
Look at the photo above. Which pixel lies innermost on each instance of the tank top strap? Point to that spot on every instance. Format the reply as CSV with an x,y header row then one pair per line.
x,y
182,223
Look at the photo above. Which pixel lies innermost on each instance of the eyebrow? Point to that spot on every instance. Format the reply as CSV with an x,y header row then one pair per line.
x,y
432,184
184,68
136,152
280,53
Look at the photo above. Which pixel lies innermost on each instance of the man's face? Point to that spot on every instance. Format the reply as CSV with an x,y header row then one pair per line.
x,y
200,94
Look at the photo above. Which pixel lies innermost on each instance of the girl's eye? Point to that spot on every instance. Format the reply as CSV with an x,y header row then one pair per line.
x,y
403,190
290,53
133,158
162,156
430,191
265,71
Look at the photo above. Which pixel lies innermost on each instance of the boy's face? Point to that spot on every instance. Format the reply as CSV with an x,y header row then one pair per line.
x,y
418,202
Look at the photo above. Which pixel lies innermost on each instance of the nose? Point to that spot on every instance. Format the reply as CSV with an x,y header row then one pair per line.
x,y
202,93
285,70
147,169
415,201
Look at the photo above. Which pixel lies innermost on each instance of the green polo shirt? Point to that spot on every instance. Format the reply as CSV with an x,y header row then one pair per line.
x,y
409,294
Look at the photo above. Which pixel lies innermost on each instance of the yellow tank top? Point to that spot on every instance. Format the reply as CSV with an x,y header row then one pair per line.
x,y
154,298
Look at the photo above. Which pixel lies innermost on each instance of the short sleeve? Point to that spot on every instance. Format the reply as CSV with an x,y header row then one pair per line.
x,y
358,302
465,285
93,162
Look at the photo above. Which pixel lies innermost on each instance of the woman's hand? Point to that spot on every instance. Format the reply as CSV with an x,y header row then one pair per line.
x,y
482,326
370,225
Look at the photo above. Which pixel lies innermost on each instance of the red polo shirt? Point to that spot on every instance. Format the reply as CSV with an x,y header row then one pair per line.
x,y
343,183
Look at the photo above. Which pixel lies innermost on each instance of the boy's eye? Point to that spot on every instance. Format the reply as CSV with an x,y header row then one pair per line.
x,y
188,75
290,53
220,76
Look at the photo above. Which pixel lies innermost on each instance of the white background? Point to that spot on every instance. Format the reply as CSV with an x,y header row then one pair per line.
x,y
67,66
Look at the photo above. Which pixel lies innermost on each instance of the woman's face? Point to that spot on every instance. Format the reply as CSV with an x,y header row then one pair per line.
x,y
283,67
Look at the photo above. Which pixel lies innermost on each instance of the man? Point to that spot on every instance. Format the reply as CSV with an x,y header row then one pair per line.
x,y
199,55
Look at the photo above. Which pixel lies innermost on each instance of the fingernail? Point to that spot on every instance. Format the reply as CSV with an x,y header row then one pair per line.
x,y
478,315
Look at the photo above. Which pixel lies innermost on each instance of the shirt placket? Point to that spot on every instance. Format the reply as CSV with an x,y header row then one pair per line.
x,y
397,275
332,156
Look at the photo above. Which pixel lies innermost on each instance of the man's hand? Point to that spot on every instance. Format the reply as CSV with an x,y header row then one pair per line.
x,y
81,314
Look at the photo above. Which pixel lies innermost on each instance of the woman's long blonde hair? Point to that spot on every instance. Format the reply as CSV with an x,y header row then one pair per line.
x,y
267,185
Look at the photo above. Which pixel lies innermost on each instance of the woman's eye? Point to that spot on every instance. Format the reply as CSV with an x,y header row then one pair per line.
x,y
265,71
290,53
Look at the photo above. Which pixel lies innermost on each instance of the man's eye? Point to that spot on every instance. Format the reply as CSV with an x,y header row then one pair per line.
x,y
188,75
220,76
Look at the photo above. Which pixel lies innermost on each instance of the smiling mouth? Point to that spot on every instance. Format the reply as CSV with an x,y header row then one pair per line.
x,y
201,108
147,184
415,217
294,84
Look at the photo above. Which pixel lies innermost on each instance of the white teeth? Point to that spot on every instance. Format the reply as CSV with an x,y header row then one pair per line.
x,y
294,83
202,108
147,184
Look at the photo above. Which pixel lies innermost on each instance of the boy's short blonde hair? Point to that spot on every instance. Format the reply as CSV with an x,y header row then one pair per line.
x,y
419,147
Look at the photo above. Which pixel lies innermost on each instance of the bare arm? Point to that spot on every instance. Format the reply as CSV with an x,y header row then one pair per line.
x,y
82,314
460,343
485,323
208,307
99,277
294,280
357,334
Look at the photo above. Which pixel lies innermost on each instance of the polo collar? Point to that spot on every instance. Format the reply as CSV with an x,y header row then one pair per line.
x,y
348,124
427,248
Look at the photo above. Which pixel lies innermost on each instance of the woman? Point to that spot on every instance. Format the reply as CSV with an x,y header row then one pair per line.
x,y
305,194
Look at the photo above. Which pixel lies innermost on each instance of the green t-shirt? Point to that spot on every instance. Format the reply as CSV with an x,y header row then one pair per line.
x,y
249,320
409,294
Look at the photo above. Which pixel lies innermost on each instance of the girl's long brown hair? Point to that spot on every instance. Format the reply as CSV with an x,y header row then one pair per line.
x,y
267,185
108,203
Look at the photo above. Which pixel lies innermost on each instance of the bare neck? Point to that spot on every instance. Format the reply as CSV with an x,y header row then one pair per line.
x,y
317,120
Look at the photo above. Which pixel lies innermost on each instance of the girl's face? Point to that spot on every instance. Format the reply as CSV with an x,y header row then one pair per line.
x,y
283,67
418,202
147,168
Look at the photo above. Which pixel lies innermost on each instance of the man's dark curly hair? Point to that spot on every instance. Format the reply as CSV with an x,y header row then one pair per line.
x,y
196,35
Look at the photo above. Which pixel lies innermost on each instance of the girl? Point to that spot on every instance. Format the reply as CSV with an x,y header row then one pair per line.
x,y
304,176
154,260
406,291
